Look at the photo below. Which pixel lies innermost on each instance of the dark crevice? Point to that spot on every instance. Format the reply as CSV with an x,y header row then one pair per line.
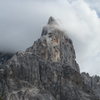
x,y
40,72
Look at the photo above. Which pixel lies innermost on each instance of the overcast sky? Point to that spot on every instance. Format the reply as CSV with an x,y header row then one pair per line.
x,y
21,22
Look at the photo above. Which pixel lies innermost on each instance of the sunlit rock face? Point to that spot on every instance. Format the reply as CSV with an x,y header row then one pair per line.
x,y
92,83
45,71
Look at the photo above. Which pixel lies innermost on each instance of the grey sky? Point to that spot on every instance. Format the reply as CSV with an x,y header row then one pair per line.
x,y
21,22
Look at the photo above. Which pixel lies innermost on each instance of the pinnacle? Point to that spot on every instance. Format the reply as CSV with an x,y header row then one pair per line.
x,y
52,20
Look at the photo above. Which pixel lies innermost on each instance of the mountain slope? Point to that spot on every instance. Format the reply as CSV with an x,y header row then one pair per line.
x,y
4,57
46,71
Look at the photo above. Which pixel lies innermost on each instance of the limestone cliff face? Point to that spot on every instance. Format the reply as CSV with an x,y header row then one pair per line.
x,y
54,45
4,57
46,71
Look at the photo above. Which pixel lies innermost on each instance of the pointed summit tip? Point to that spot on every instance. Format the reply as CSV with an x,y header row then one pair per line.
x,y
52,20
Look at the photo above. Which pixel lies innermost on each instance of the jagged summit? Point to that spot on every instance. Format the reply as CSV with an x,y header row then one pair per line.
x,y
46,71
52,20
52,28
55,46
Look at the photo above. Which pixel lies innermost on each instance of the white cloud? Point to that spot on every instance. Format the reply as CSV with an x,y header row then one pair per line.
x,y
94,4
89,25
21,22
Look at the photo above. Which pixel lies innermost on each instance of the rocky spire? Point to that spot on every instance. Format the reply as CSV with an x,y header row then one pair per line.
x,y
46,71
51,25
55,46
52,20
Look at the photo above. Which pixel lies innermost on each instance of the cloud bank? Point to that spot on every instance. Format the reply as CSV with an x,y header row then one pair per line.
x,y
21,22
94,4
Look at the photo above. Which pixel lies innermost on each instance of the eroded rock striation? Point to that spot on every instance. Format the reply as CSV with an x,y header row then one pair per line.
x,y
92,83
46,71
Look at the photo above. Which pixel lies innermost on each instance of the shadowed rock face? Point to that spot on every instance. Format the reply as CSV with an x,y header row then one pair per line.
x,y
4,57
46,71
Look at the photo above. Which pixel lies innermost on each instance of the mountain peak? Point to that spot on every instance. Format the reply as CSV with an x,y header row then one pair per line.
x,y
52,20
47,71
54,45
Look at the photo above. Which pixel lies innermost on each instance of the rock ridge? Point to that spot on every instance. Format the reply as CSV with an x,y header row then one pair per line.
x,y
46,71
